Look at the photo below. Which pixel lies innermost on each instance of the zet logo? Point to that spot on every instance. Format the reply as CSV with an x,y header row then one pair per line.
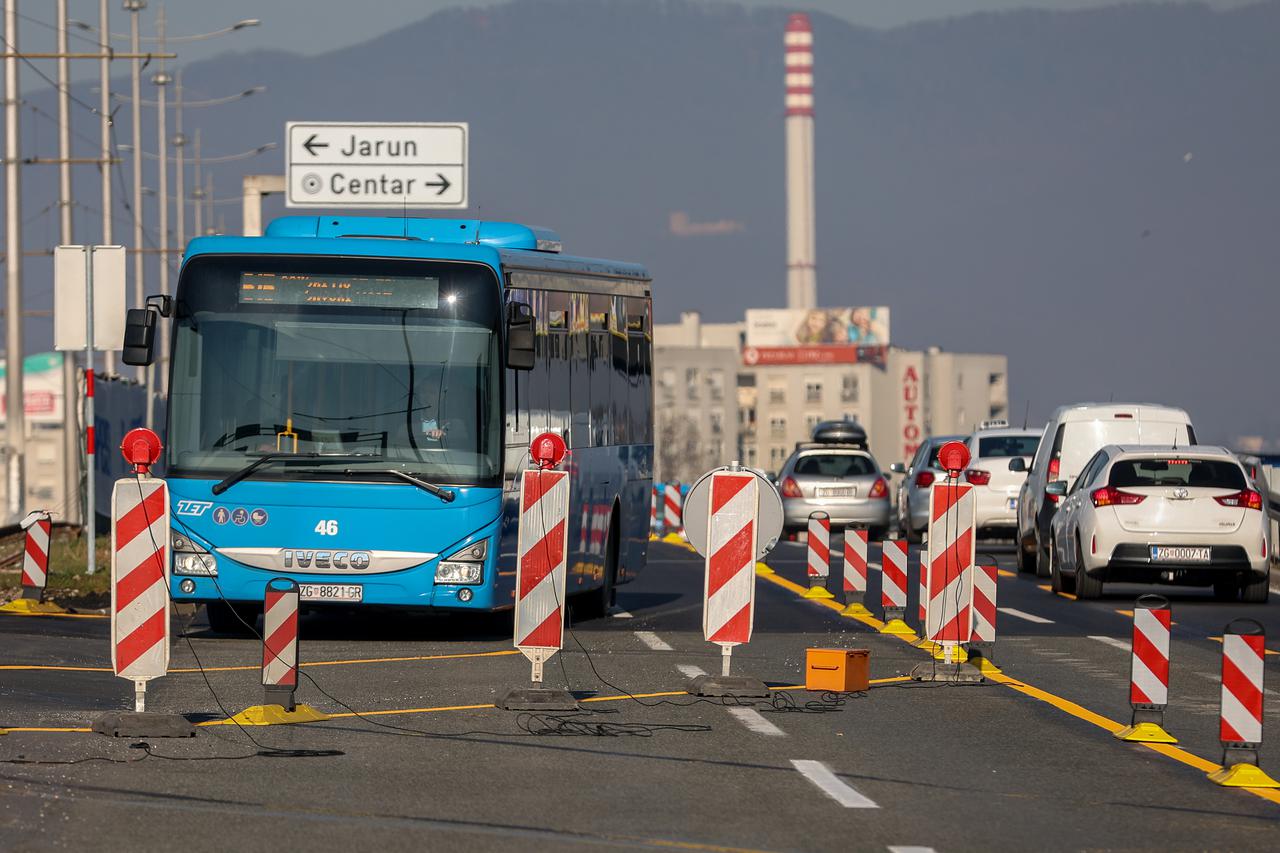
x,y
195,508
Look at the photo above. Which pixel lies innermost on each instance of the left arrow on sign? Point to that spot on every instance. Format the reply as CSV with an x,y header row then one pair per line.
x,y
311,145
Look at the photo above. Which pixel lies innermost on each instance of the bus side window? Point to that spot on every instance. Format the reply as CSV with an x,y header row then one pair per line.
x,y
559,379
637,404
580,372
601,371
537,378
620,384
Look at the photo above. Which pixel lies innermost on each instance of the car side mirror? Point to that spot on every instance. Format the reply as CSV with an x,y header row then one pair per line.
x,y
519,336
139,336
1018,464
898,468
1057,487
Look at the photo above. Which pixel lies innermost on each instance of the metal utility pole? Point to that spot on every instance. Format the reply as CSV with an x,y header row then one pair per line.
x,y
197,191
15,426
161,79
179,142
70,433
133,7
104,125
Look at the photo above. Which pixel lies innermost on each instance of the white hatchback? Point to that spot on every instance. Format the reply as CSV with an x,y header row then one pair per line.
x,y
1147,514
995,487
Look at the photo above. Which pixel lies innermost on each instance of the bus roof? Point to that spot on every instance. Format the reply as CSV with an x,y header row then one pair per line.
x,y
505,244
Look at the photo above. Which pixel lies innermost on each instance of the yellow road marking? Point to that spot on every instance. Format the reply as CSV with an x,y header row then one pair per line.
x,y
1268,651
50,667
59,615
43,729
1048,588
1075,710
1128,613
1005,573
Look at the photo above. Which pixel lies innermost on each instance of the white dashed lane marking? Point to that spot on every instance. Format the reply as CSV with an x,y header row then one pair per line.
x,y
688,670
1111,641
755,721
653,641
832,785
1021,614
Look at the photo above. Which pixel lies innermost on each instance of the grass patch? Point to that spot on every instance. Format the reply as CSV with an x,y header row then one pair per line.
x,y
69,585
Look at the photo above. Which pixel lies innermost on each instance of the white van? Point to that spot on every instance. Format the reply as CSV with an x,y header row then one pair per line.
x,y
1073,435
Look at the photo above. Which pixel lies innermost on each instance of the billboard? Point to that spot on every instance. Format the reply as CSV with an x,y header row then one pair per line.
x,y
816,335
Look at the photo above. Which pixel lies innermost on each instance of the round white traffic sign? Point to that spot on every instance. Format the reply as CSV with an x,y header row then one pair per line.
x,y
698,503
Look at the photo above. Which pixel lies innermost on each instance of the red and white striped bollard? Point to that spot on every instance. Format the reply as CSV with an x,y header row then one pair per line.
x,y
893,586
818,559
855,572
280,642
1149,671
1240,714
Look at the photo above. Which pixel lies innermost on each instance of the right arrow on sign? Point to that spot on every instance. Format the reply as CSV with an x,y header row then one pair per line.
x,y
443,184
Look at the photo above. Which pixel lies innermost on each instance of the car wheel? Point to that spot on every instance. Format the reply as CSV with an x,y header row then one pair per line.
x,y
1042,561
1256,589
1026,563
1055,569
877,534
236,620
1086,587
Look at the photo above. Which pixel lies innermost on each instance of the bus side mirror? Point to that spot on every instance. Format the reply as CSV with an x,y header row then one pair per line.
x,y
139,336
519,336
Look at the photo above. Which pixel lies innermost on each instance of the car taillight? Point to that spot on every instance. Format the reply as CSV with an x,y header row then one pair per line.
x,y
1248,499
1107,496
924,478
978,477
1055,468
879,489
791,489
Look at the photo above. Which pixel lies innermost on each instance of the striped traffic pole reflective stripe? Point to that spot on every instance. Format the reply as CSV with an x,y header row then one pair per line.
x,y
140,605
818,549
1244,645
653,508
893,586
280,642
983,637
35,558
671,508
542,565
1149,671
730,579
949,564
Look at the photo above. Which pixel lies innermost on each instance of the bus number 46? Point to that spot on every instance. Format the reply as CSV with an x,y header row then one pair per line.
x,y
327,527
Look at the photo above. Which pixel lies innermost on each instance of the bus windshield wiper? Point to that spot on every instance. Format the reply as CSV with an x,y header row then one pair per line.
x,y
269,458
446,495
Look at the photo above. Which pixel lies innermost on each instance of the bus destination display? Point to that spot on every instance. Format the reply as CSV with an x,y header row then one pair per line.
x,y
268,288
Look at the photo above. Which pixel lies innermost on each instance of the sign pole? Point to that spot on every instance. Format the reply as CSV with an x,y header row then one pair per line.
x,y
90,517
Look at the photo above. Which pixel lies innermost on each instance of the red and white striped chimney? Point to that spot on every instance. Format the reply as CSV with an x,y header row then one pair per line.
x,y
802,285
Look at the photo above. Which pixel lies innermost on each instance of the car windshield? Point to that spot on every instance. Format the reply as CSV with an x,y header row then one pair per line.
x,y
1206,473
394,359
834,465
1002,446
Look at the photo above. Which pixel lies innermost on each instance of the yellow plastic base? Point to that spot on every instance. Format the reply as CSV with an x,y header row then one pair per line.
x,y
276,715
1243,776
1145,733
31,607
817,592
674,538
958,653
762,569
898,628
855,609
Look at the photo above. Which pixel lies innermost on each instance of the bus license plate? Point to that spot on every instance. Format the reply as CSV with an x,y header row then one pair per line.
x,y
348,592
1173,554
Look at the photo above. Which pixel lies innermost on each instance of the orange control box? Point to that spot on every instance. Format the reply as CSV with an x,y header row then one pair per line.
x,y
837,670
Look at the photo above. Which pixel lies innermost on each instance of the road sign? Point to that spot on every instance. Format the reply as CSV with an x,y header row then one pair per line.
x,y
949,562
70,294
140,606
376,165
542,543
768,522
730,581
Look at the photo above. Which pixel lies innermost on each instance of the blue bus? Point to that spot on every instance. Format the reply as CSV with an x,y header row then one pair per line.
x,y
351,401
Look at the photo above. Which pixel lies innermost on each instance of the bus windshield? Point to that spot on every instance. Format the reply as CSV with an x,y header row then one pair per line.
x,y
392,359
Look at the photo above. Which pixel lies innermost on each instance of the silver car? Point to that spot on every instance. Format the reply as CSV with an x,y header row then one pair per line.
x,y
913,491
841,480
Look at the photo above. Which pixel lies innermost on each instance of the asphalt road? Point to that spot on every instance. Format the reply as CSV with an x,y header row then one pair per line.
x,y
415,756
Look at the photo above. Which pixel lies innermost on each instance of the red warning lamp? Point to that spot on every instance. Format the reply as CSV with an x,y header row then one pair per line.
x,y
547,449
953,458
141,448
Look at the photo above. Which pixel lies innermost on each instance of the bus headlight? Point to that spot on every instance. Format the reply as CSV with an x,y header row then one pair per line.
x,y
464,566
190,558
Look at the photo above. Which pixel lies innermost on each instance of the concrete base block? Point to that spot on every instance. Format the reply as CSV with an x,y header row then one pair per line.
x,y
728,685
952,673
146,724
538,699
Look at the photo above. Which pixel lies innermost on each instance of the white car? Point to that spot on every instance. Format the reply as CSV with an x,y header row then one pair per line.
x,y
1183,515
995,487
1074,433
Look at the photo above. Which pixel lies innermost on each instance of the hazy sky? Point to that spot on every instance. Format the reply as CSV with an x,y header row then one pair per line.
x,y
316,26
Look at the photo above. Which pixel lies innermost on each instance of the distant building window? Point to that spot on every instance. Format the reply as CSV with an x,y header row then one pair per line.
x,y
715,384
777,455
811,421
995,378
960,380
812,391
746,380
849,389
778,427
691,382
717,422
